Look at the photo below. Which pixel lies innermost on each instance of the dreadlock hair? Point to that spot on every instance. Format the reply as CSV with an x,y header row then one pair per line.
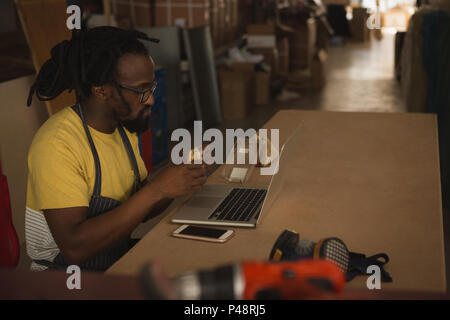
x,y
88,59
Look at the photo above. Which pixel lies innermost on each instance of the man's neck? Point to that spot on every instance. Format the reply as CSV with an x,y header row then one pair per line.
x,y
99,117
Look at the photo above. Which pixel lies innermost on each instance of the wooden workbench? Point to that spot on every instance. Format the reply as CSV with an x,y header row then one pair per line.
x,y
370,179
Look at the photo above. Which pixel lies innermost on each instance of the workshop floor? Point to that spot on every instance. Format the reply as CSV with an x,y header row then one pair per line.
x,y
359,77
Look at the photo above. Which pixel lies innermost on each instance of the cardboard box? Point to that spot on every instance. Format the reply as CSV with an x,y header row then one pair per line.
x,y
313,78
261,41
247,67
237,92
183,13
271,57
261,81
261,29
137,12
299,80
262,88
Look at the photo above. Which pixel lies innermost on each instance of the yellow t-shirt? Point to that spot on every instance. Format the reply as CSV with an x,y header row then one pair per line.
x,y
61,168
61,174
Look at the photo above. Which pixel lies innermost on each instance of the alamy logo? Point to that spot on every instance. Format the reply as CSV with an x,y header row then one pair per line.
x,y
374,281
74,20
256,146
73,281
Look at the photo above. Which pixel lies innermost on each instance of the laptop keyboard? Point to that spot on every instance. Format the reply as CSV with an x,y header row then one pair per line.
x,y
239,205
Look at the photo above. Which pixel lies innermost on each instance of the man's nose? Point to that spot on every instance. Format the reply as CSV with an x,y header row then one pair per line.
x,y
150,101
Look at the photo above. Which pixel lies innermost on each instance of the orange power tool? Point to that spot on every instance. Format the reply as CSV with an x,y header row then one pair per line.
x,y
291,280
305,279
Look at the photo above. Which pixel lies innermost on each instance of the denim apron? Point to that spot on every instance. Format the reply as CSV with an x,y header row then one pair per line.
x,y
99,205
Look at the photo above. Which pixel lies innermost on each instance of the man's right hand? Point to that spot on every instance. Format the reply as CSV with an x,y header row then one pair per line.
x,y
178,181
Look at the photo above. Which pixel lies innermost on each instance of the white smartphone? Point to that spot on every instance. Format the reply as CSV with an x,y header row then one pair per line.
x,y
203,233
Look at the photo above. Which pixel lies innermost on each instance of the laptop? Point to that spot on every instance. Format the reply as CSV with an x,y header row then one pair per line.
x,y
224,205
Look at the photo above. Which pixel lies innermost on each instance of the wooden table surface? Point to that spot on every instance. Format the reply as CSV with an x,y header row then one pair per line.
x,y
371,179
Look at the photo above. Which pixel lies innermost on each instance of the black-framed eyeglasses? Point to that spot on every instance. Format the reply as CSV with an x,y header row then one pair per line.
x,y
145,94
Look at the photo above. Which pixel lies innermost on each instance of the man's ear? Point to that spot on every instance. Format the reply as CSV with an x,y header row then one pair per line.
x,y
100,92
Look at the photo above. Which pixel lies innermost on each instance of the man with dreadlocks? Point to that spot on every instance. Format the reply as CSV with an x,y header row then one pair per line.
x,y
87,184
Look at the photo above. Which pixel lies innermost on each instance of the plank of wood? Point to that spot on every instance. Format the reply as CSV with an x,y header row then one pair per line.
x,y
44,25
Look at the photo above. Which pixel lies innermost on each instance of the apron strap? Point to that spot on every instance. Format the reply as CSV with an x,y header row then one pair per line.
x,y
359,263
98,170
50,265
132,158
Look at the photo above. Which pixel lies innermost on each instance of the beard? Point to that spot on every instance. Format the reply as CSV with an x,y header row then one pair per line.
x,y
139,125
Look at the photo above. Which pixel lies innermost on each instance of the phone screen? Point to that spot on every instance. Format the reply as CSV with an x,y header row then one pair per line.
x,y
203,232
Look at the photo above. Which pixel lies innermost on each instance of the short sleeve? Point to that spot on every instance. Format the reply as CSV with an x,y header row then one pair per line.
x,y
56,178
